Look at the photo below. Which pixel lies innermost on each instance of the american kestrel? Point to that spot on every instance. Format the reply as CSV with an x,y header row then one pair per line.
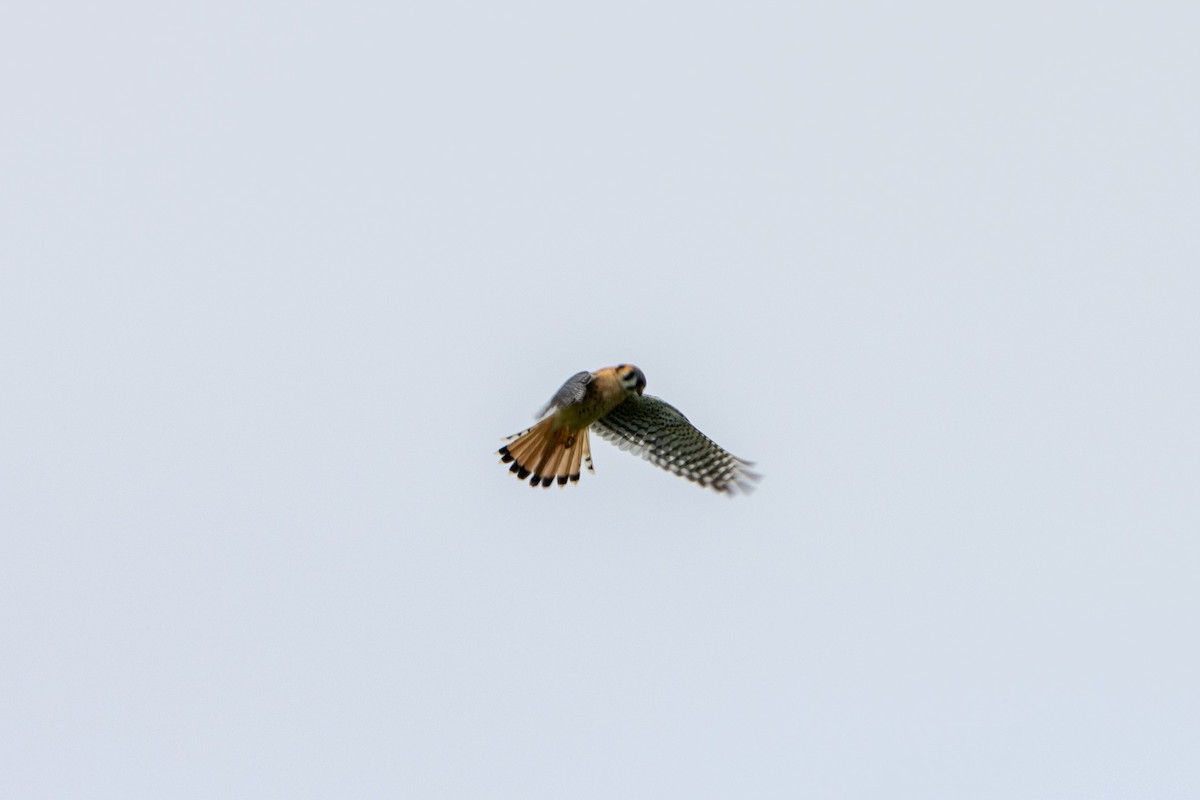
x,y
610,401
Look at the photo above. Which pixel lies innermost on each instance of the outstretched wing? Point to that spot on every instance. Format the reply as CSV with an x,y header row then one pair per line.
x,y
659,433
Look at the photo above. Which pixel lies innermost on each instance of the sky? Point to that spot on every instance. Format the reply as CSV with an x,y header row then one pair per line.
x,y
278,278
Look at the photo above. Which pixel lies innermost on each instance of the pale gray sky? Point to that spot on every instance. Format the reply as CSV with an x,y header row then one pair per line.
x,y
278,278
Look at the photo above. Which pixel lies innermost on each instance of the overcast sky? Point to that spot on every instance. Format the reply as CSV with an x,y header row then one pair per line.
x,y
278,277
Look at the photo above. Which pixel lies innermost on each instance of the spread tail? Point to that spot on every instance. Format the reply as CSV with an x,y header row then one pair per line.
x,y
547,453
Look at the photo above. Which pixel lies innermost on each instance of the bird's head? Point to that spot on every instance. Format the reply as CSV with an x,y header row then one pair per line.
x,y
632,378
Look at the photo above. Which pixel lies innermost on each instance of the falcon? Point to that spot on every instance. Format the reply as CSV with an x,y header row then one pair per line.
x,y
611,402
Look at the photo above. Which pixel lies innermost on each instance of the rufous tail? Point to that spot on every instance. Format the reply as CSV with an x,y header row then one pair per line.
x,y
547,453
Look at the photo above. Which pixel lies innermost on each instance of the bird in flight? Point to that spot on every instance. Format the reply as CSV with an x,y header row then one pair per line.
x,y
610,401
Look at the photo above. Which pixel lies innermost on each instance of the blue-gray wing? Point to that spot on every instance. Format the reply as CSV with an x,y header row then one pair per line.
x,y
659,433
571,392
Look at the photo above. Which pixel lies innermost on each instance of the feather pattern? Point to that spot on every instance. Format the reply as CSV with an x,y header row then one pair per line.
x,y
546,453
658,432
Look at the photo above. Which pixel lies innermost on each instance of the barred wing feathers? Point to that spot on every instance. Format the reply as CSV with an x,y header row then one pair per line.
x,y
659,433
